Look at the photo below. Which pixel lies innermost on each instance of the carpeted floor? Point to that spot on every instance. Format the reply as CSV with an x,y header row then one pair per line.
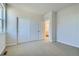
x,y
41,48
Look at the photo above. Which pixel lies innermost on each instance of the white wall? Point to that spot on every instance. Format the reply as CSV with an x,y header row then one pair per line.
x,y
13,12
68,25
51,16
11,26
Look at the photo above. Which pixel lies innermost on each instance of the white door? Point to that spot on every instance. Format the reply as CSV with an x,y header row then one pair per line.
x,y
28,30
23,30
34,30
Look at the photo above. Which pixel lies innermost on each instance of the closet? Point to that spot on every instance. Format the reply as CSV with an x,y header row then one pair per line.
x,y
27,30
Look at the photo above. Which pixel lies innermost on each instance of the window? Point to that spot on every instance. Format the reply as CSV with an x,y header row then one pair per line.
x,y
1,18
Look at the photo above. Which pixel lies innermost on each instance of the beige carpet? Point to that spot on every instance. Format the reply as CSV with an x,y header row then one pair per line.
x,y
41,48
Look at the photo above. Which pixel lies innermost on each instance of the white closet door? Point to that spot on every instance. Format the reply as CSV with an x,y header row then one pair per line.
x,y
28,30
34,30
23,30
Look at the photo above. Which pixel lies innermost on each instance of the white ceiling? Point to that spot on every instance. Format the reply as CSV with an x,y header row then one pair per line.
x,y
41,8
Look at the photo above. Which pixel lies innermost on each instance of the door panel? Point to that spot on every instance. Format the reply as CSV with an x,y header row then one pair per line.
x,y
34,30
28,30
23,30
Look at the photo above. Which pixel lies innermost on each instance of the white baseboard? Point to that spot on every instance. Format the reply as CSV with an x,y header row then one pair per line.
x,y
68,44
11,44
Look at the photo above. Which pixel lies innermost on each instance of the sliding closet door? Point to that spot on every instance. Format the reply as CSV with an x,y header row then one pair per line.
x,y
34,30
28,30
23,30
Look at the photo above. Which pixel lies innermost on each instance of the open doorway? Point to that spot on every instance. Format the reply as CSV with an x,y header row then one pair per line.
x,y
46,30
